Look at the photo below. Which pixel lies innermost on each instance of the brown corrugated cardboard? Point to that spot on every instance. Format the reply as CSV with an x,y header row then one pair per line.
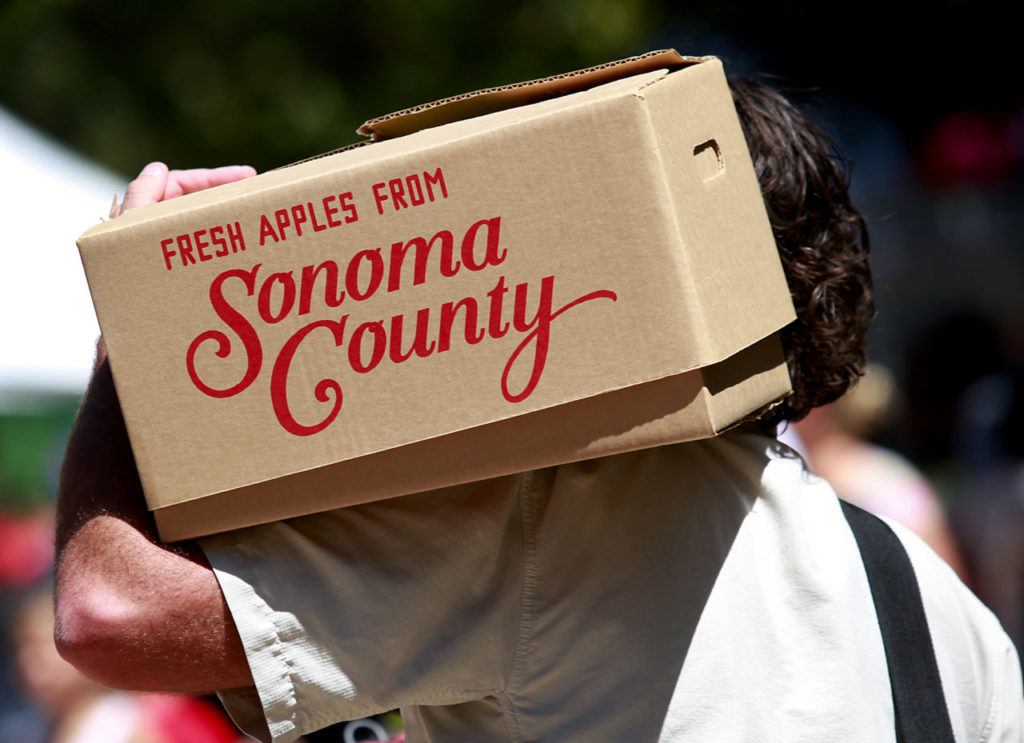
x,y
560,278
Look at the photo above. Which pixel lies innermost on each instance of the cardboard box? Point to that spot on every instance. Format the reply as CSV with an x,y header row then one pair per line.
x,y
548,272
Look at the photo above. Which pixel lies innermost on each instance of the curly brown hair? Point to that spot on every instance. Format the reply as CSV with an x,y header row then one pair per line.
x,y
823,242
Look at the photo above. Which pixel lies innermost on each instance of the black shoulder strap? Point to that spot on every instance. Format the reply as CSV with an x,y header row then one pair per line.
x,y
921,714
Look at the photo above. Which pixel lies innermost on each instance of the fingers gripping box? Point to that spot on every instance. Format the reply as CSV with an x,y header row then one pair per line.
x,y
506,280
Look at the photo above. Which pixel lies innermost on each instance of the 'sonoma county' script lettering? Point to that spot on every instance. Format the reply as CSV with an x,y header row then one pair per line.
x,y
364,346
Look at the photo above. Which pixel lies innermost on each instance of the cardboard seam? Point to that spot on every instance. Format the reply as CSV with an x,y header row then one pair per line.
x,y
680,257
639,92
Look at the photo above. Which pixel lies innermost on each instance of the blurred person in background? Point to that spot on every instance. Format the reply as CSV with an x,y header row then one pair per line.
x,y
835,440
989,512
26,556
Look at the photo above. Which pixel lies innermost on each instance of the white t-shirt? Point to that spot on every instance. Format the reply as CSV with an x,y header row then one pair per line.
x,y
708,591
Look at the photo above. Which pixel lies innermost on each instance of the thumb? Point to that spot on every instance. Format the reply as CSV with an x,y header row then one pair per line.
x,y
147,188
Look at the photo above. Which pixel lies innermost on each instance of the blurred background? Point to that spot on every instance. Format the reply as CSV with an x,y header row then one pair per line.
x,y
926,103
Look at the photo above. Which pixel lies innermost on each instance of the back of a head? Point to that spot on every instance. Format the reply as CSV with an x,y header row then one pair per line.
x,y
822,241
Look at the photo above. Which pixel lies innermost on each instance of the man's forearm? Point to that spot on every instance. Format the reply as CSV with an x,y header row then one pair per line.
x,y
98,475
132,612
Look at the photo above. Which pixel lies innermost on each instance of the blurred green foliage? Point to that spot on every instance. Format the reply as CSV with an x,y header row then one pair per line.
x,y
268,83
31,445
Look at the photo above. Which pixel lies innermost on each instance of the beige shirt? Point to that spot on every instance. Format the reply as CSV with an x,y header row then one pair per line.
x,y
708,591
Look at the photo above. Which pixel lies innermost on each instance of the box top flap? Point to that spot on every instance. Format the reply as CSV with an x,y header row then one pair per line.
x,y
480,102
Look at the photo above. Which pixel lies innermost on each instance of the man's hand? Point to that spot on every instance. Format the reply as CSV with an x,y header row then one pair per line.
x,y
157,183
133,612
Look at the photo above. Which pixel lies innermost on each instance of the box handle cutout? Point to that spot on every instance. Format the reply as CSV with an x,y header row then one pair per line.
x,y
709,160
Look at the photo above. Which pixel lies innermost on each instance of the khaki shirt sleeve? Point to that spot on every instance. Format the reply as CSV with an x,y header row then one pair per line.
x,y
361,610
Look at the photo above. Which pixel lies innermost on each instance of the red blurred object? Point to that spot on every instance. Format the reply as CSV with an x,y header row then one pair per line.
x,y
26,548
971,147
180,719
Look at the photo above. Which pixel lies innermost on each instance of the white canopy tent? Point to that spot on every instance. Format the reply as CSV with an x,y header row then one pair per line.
x,y
48,197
